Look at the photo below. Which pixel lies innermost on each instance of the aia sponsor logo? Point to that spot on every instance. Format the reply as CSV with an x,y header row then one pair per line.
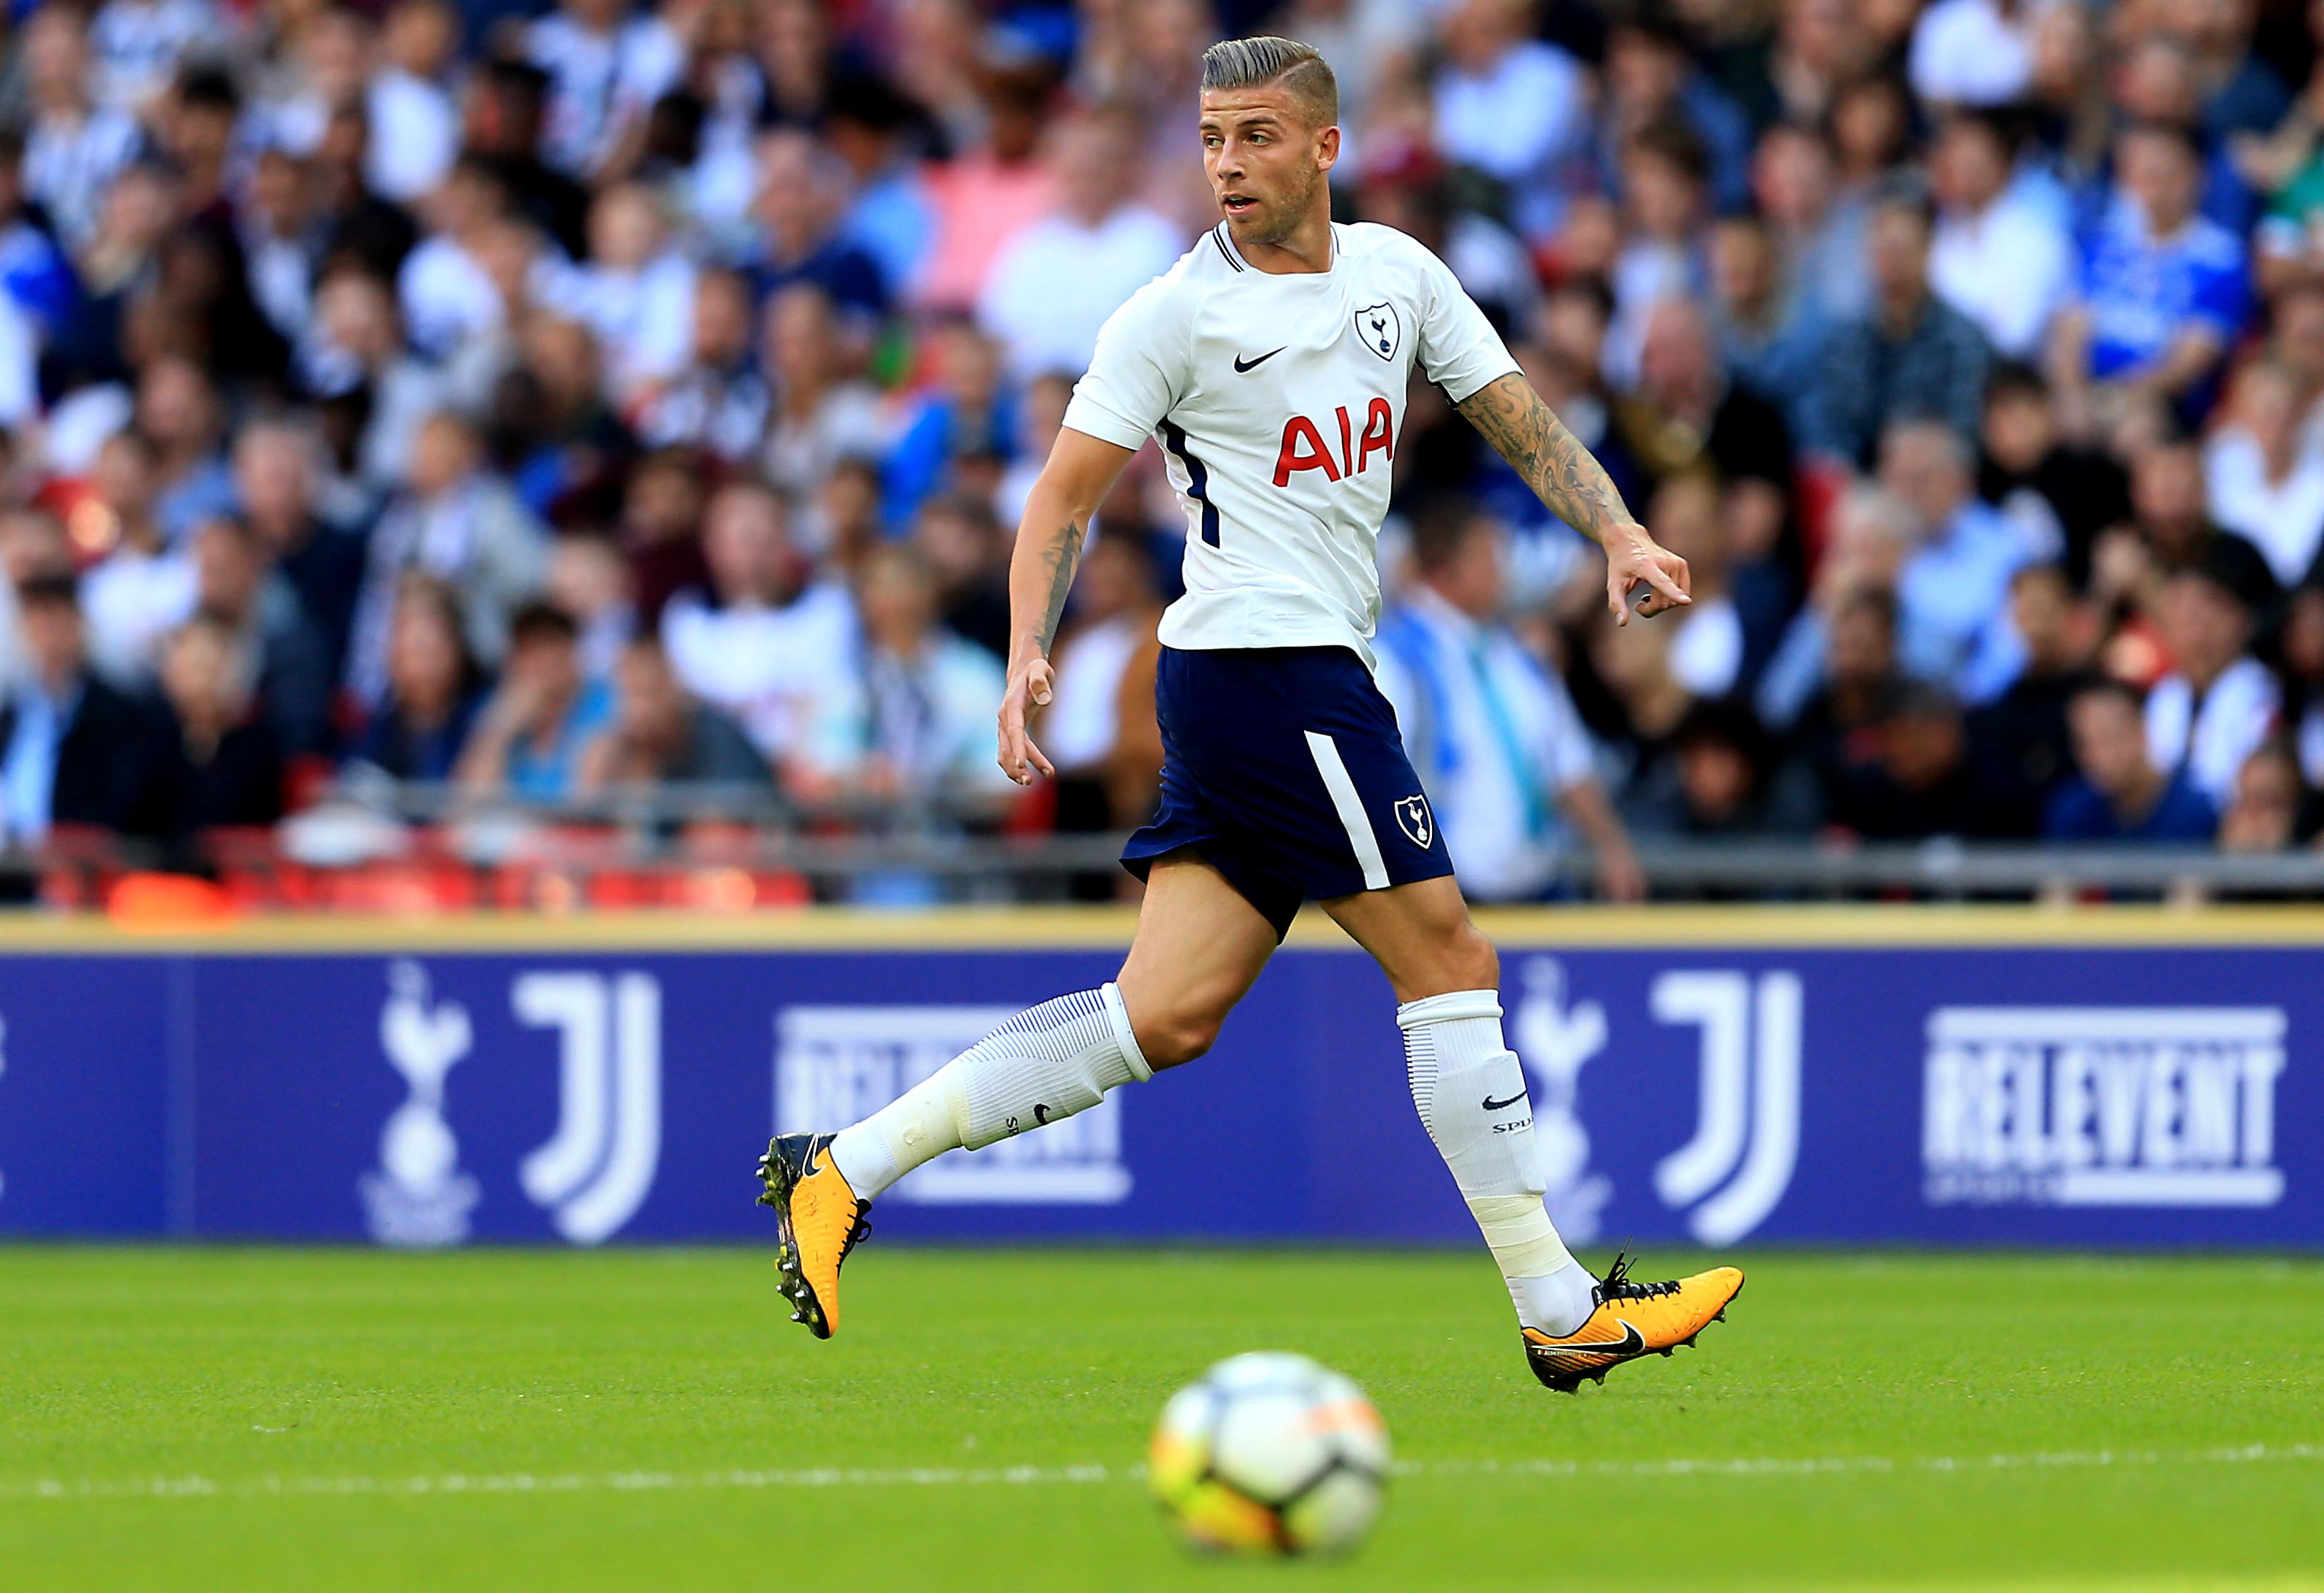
x,y
1306,444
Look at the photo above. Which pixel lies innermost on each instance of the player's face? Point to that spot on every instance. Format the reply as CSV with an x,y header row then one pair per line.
x,y
1266,165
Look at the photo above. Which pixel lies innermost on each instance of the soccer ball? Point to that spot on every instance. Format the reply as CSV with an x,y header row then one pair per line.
x,y
1270,1454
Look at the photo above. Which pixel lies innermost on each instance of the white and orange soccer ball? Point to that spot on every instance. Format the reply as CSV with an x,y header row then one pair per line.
x,y
1270,1454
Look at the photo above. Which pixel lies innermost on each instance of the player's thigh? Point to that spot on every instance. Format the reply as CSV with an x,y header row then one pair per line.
x,y
1422,937
1199,943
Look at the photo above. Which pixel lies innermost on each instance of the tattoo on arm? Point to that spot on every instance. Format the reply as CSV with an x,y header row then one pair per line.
x,y
1063,555
1568,480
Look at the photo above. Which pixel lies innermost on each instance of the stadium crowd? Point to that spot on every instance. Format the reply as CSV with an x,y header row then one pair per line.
x,y
551,402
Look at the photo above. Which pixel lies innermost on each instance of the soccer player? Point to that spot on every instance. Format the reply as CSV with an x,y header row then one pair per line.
x,y
1272,362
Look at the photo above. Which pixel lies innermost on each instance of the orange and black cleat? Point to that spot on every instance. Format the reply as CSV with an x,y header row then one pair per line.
x,y
818,1221
1631,1320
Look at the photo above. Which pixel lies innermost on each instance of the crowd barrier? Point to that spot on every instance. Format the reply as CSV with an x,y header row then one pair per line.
x,y
2118,1077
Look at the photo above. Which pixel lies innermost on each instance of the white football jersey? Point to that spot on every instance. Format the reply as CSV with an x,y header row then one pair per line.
x,y
1278,403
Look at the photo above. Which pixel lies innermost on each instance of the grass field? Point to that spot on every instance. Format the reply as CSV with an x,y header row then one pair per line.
x,y
177,1419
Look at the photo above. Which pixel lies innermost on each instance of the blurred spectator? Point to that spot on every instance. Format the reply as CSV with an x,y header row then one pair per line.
x,y
1732,781
966,547
77,751
233,761
822,413
414,122
916,739
658,734
1098,729
1925,778
799,206
279,664
2267,812
1511,105
1054,285
457,521
2161,293
73,148
2024,730
1999,256
987,193
2059,495
766,642
1952,592
2263,479
1976,52
140,590
2170,532
1652,78
717,402
2117,793
1706,647
434,687
636,292
2219,703
968,409
276,471
589,578
1494,735
1915,357
528,740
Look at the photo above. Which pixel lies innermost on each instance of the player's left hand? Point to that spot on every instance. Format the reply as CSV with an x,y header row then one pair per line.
x,y
1634,559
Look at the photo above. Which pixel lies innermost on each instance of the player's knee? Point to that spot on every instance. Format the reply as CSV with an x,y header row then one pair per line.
x,y
1177,1036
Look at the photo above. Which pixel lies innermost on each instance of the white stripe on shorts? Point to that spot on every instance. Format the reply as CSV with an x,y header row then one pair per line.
x,y
1352,809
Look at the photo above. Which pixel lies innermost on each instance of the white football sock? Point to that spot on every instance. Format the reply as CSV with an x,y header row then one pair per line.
x,y
1471,1090
1046,1062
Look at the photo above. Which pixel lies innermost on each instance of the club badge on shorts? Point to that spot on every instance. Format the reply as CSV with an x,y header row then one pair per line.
x,y
1377,327
1412,819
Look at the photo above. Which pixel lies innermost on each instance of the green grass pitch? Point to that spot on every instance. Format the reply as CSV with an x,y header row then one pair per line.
x,y
179,1420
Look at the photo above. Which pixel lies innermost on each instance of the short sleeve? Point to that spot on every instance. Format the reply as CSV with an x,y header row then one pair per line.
x,y
1138,372
1458,348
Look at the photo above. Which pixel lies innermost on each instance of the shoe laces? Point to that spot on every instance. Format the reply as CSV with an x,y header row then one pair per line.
x,y
1617,1284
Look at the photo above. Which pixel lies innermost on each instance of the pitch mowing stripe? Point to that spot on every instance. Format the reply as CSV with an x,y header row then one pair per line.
x,y
521,1482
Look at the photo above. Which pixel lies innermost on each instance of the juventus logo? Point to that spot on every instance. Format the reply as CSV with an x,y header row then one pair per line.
x,y
1412,819
1378,329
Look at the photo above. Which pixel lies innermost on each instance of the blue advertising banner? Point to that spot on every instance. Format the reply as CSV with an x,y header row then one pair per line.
x,y
1706,1092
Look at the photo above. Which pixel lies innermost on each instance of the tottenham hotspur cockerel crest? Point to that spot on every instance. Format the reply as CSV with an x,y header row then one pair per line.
x,y
1412,819
1378,327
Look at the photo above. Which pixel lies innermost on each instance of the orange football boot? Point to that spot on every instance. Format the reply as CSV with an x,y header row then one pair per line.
x,y
1631,1320
818,1221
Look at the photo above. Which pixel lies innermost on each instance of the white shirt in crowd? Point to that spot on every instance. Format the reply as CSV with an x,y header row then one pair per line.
x,y
643,318
1278,400
2007,268
415,134
1495,739
2211,738
1966,52
137,45
598,81
69,165
776,670
1514,118
1706,648
1083,719
2284,519
1054,285
131,602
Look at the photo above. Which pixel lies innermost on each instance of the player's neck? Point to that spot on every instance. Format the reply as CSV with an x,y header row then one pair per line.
x,y
1307,250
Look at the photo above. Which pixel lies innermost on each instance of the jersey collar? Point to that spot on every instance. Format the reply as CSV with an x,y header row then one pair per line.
x,y
1223,236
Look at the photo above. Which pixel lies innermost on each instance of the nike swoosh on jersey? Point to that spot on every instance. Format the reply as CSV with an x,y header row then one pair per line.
x,y
1631,1342
1243,365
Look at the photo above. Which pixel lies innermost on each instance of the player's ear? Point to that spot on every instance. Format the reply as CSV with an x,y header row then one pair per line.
x,y
1327,148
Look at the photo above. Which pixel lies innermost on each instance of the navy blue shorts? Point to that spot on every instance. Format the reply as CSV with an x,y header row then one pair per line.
x,y
1283,768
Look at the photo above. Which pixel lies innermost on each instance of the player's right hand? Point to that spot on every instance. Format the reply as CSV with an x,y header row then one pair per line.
x,y
1029,687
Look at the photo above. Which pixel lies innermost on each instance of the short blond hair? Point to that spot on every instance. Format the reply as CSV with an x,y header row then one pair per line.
x,y
1255,62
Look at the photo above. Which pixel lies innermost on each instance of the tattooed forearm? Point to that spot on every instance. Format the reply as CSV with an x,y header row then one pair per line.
x,y
1562,472
1062,554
